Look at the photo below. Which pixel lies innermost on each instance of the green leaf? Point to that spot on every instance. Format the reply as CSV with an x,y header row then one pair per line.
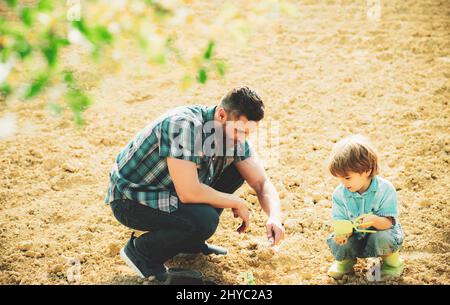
x,y
96,54
160,58
4,54
77,100
80,25
250,278
209,50
56,108
5,89
45,5
51,54
202,76
36,86
143,43
50,50
220,67
22,47
101,34
11,3
97,36
27,16
68,77
78,118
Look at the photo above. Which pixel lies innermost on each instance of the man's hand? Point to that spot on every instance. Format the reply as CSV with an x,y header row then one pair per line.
x,y
342,239
242,212
254,173
275,230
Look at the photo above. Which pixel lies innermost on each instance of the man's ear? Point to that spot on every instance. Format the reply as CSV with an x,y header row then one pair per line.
x,y
221,115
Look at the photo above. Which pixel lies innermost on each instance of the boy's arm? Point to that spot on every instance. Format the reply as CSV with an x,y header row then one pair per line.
x,y
385,216
378,222
338,207
338,213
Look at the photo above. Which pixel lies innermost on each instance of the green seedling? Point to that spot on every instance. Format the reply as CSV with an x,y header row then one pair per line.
x,y
249,278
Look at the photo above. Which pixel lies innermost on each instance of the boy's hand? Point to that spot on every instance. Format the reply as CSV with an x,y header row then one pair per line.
x,y
378,222
342,239
370,219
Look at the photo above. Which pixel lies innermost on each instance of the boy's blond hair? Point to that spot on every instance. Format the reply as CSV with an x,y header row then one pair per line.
x,y
354,153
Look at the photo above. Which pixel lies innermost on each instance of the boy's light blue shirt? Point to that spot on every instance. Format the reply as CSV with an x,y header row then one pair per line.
x,y
379,199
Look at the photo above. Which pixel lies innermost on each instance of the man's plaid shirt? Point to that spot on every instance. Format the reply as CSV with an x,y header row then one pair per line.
x,y
140,170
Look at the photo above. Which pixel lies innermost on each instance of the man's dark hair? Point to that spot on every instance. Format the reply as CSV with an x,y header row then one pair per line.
x,y
243,101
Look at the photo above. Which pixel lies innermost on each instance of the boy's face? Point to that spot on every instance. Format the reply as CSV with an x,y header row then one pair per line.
x,y
356,182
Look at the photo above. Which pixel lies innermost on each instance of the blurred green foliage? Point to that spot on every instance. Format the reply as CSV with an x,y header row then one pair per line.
x,y
29,32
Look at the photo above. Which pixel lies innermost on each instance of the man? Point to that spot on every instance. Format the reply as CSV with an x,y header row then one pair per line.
x,y
175,177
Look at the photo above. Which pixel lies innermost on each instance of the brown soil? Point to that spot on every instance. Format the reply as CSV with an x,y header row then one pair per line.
x,y
325,74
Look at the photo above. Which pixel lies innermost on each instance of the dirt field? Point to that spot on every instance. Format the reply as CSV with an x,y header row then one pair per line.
x,y
324,74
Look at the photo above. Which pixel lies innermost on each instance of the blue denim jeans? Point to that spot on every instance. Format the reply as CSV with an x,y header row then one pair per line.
x,y
365,245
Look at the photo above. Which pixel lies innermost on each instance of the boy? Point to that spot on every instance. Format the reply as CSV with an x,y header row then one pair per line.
x,y
363,194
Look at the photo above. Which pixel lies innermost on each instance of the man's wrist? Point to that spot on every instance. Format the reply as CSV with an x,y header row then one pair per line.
x,y
275,216
238,204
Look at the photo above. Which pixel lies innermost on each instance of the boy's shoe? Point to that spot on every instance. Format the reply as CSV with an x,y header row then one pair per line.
x,y
339,268
388,271
141,266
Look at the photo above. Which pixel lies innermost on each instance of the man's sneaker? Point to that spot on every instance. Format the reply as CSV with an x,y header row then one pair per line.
x,y
388,271
180,276
340,268
140,265
206,249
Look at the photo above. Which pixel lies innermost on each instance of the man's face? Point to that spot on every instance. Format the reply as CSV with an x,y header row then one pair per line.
x,y
236,129
355,182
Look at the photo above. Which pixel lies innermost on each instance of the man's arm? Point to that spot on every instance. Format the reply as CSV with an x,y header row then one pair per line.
x,y
254,173
190,191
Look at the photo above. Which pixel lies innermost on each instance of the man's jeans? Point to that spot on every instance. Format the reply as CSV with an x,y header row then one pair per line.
x,y
182,231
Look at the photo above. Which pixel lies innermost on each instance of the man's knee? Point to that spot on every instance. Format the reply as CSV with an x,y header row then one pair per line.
x,y
208,222
204,217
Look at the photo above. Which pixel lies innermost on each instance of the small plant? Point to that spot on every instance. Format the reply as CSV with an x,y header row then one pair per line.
x,y
249,278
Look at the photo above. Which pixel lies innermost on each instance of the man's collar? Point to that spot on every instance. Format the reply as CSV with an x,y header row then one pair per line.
x,y
208,115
